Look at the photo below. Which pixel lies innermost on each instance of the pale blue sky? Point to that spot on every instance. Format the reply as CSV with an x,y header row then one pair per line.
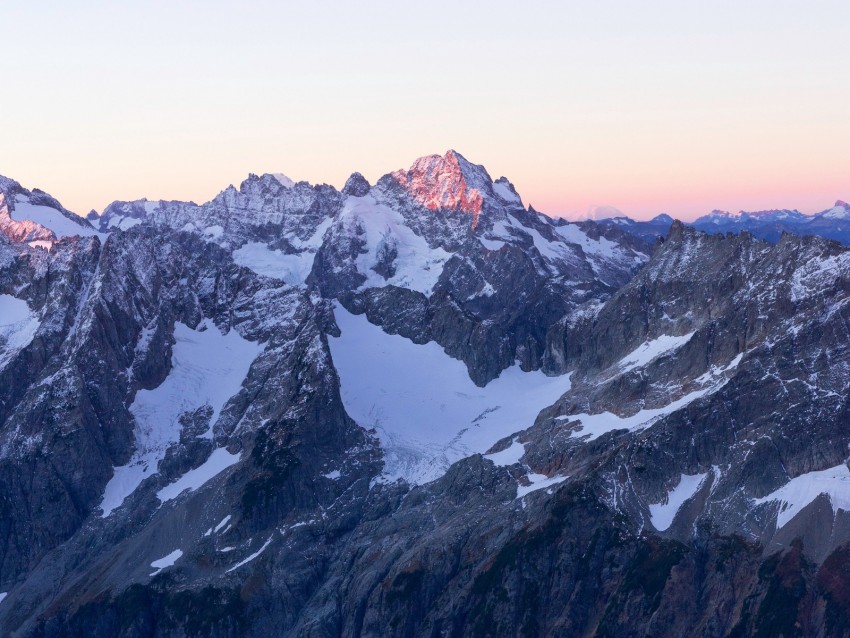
x,y
675,107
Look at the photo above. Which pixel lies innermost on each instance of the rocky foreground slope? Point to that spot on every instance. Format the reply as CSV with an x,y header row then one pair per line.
x,y
416,408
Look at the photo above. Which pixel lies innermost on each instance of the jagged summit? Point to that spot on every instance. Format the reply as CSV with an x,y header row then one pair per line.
x,y
449,182
356,185
285,181
841,210
718,216
37,217
295,410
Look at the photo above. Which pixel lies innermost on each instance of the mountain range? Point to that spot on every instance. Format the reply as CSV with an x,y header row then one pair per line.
x,y
419,408
832,223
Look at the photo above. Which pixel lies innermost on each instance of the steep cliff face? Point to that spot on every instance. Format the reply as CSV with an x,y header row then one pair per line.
x,y
417,408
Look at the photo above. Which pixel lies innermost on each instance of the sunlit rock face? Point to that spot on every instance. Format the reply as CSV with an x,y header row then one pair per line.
x,y
35,216
397,409
20,230
449,182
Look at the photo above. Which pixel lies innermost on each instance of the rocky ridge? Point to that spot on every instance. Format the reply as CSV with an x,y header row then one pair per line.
x,y
684,475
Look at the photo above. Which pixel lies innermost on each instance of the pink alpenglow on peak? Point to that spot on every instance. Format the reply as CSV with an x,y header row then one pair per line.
x,y
447,183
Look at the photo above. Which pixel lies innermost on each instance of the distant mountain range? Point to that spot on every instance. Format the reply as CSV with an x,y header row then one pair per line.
x,y
832,223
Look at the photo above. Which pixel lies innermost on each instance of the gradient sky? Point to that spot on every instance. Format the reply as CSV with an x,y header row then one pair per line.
x,y
655,106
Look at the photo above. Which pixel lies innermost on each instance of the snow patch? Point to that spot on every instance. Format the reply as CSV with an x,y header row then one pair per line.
x,y
222,523
41,243
213,232
595,425
503,191
650,350
18,325
207,368
293,269
332,475
491,244
662,514
283,179
575,235
166,561
251,557
219,461
3,595
426,410
803,489
51,219
124,223
837,212
509,456
417,265
538,482
818,274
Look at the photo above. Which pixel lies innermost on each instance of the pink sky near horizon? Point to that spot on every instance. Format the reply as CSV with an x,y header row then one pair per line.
x,y
656,107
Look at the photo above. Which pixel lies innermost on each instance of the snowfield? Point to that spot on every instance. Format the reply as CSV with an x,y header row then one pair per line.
x,y
426,410
293,269
207,368
417,265
648,351
801,490
595,425
166,561
51,219
662,514
18,325
219,460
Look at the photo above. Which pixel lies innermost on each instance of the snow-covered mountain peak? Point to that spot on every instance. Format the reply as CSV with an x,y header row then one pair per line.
x,y
504,190
599,212
285,181
719,216
742,217
449,182
841,210
778,215
36,217
264,185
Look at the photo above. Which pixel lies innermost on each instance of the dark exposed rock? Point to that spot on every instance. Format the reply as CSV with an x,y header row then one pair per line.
x,y
646,501
356,185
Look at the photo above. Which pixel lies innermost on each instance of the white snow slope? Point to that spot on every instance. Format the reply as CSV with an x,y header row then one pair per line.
x,y
18,325
207,368
662,514
427,411
293,269
595,425
51,219
418,266
802,490
166,561
219,460
651,350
